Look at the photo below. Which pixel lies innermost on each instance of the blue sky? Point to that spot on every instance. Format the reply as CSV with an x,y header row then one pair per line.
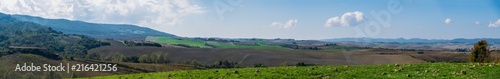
x,y
296,19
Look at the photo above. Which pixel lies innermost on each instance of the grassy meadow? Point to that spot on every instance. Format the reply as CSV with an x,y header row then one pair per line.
x,y
424,70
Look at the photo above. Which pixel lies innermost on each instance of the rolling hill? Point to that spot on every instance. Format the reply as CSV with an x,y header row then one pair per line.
x,y
115,31
413,40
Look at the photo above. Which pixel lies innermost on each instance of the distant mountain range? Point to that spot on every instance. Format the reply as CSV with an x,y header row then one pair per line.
x,y
413,40
96,30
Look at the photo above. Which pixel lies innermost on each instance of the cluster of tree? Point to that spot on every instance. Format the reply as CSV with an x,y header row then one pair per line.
x,y
216,64
133,43
420,52
223,64
462,50
217,39
156,57
90,43
303,64
80,48
285,64
330,44
294,46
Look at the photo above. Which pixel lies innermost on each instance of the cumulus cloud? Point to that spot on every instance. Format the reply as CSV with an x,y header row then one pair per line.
x,y
138,12
494,24
448,21
477,23
348,19
290,24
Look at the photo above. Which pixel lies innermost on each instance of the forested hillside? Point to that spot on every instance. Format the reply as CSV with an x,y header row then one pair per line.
x,y
117,31
27,37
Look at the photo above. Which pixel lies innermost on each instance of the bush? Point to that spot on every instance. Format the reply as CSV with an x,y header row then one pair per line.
x,y
133,59
224,64
156,57
420,52
118,57
259,65
303,64
480,52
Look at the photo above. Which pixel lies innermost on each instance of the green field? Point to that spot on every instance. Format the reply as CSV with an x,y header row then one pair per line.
x,y
201,44
170,40
425,70
231,45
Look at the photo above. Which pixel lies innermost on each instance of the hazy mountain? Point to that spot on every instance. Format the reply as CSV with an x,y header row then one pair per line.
x,y
117,31
413,40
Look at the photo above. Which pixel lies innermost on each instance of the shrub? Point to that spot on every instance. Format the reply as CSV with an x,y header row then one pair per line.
x,y
259,65
303,64
480,52
420,52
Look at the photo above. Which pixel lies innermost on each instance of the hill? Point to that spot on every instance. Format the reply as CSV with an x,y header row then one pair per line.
x,y
413,40
115,31
27,37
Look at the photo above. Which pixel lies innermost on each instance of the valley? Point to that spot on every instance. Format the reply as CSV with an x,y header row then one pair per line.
x,y
140,52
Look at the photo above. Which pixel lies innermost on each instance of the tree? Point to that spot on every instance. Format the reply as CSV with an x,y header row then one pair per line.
x,y
480,52
118,57
144,59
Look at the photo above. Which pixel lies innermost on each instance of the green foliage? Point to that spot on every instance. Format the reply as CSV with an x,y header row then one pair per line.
x,y
303,64
94,56
420,52
74,50
118,57
90,43
133,59
132,43
480,52
156,57
223,64
259,65
27,34
144,59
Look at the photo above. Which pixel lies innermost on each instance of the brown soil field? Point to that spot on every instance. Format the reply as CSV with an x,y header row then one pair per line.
x,y
269,57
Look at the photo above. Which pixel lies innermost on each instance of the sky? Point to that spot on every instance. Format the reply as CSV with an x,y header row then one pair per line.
x,y
287,19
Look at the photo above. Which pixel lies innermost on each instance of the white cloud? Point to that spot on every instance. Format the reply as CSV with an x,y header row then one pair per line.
x,y
348,19
448,21
477,23
139,12
290,24
494,24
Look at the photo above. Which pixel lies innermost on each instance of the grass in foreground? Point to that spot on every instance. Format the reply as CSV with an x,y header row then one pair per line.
x,y
426,70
